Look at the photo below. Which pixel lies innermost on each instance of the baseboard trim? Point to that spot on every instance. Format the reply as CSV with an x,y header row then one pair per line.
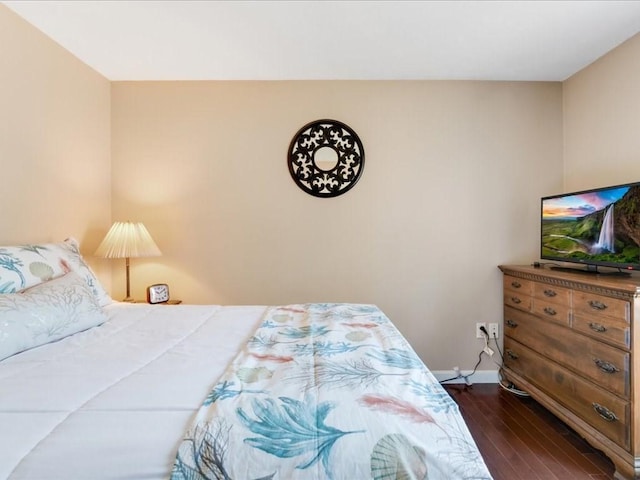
x,y
481,376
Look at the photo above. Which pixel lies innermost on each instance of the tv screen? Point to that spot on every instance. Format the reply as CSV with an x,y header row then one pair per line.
x,y
598,227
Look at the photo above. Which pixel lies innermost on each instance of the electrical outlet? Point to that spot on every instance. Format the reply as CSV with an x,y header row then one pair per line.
x,y
479,333
494,330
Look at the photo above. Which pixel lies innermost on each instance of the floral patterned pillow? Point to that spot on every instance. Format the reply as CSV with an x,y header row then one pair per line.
x,y
46,313
25,266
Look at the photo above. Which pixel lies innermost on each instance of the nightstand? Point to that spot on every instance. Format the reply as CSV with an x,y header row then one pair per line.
x,y
168,302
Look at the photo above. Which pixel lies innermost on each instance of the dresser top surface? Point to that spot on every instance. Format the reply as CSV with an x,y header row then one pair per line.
x,y
630,284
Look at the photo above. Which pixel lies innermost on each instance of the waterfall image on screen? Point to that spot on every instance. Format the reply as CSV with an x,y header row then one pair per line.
x,y
606,242
598,227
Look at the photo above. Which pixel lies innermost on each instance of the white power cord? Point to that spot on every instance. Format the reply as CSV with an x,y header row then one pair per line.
x,y
512,389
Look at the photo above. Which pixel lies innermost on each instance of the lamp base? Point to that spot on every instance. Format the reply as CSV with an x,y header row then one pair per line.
x,y
129,300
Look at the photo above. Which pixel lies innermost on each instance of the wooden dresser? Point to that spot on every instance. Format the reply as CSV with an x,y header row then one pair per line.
x,y
570,341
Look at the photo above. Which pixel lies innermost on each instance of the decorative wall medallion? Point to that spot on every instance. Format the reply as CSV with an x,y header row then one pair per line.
x,y
326,158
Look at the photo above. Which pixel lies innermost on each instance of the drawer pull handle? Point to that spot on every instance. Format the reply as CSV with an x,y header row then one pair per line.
x,y
596,327
516,300
511,324
512,355
516,284
604,412
606,367
596,305
549,293
550,311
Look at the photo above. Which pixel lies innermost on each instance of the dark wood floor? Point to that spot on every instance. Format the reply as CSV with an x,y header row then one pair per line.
x,y
520,440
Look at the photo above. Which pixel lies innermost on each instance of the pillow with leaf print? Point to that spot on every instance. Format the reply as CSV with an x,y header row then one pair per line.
x,y
24,266
46,313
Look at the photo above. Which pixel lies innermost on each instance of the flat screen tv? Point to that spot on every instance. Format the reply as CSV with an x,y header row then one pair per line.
x,y
598,227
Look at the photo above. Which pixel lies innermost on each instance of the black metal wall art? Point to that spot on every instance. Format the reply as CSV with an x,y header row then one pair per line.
x,y
326,158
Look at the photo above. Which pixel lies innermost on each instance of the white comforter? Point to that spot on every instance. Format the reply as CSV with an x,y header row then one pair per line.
x,y
114,401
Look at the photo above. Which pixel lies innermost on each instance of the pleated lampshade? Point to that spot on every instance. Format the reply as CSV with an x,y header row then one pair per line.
x,y
128,240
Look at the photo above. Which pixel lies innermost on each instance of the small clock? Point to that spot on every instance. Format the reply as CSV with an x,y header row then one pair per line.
x,y
158,293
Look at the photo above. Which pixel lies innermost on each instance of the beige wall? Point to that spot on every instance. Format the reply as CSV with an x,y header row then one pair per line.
x,y
602,120
54,142
450,189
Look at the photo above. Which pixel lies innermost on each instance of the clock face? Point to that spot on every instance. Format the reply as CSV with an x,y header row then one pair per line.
x,y
158,293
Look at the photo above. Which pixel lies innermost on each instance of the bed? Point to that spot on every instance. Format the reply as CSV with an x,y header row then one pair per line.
x,y
137,391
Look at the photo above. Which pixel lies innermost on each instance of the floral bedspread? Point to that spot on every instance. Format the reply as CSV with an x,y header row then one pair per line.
x,y
328,391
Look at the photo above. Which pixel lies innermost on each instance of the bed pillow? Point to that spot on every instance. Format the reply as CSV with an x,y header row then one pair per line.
x,y
46,313
24,266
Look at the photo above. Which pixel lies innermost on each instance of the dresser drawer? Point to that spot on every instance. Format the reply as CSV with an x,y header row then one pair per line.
x,y
551,293
612,330
524,287
554,312
599,408
517,300
517,292
597,306
552,303
607,366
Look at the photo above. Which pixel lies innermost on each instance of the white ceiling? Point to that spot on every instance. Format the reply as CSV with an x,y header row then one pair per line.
x,y
322,40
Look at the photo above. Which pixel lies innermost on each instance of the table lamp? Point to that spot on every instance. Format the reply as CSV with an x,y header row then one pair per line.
x,y
127,240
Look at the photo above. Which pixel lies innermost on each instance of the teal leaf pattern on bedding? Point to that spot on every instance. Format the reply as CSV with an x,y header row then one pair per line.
x,y
350,374
305,331
395,357
221,390
35,249
328,391
11,263
6,287
435,398
324,349
291,428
